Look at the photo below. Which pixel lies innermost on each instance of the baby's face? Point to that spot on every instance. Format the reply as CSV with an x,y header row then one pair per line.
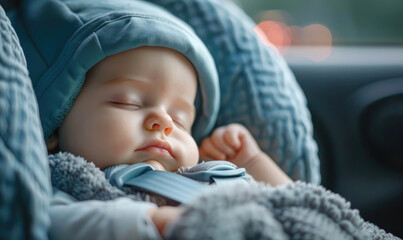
x,y
135,106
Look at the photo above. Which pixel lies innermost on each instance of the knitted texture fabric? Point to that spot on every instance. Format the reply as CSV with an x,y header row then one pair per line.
x,y
234,211
24,178
257,87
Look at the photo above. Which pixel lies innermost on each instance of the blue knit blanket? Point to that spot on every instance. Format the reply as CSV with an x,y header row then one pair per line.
x,y
234,211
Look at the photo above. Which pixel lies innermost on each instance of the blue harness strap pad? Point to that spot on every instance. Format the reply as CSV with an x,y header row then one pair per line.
x,y
126,173
167,184
212,171
181,188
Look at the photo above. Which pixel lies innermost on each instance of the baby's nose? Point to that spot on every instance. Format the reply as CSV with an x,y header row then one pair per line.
x,y
158,121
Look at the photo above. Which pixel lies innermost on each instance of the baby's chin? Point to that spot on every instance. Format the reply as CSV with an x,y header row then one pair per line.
x,y
157,165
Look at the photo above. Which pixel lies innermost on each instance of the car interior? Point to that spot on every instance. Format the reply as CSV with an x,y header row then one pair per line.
x,y
348,58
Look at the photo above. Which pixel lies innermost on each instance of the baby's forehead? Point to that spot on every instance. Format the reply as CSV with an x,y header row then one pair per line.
x,y
146,86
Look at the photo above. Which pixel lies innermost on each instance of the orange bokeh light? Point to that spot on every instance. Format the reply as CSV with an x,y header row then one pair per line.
x,y
275,34
280,37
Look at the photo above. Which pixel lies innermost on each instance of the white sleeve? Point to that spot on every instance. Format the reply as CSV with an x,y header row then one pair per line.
x,y
122,218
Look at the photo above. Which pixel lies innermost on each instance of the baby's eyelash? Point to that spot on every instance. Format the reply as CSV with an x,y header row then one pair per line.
x,y
179,123
125,104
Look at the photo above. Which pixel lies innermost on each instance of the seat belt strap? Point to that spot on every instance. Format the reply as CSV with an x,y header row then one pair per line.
x,y
173,186
180,188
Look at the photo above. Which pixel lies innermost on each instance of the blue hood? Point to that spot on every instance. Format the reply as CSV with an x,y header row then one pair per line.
x,y
63,39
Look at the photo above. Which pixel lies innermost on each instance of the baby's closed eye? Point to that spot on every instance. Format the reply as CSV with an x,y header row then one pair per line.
x,y
127,101
126,105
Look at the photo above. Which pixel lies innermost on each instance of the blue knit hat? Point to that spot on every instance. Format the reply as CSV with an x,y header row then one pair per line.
x,y
63,39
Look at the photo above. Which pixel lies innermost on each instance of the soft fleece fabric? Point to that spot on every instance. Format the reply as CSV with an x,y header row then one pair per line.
x,y
63,39
238,211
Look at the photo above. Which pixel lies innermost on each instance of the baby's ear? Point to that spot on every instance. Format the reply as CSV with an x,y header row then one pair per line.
x,y
52,143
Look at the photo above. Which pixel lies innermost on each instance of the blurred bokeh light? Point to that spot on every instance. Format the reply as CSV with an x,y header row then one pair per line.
x,y
350,22
274,32
320,36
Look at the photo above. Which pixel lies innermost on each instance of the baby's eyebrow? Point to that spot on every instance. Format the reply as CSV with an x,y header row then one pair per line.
x,y
127,80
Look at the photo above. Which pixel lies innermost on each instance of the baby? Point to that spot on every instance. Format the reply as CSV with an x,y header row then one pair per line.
x,y
129,111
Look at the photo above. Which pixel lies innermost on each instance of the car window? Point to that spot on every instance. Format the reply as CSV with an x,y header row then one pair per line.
x,y
290,23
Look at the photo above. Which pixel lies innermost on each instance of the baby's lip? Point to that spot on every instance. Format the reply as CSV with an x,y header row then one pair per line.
x,y
155,146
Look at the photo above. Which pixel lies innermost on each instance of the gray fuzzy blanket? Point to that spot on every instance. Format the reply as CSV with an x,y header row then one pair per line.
x,y
236,211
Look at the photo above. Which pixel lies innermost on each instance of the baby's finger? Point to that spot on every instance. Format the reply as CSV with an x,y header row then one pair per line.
x,y
211,151
203,155
231,137
218,140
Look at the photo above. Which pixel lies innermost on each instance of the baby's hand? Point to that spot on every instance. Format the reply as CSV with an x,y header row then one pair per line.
x,y
163,216
232,143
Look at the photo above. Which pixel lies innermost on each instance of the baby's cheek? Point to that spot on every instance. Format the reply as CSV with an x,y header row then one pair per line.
x,y
115,138
191,152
